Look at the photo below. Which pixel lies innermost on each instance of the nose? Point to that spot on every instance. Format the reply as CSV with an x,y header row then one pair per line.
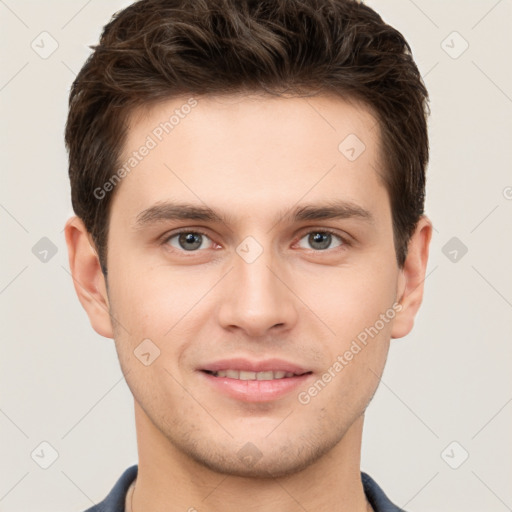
x,y
257,297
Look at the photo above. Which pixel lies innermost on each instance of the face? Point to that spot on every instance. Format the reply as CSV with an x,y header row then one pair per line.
x,y
291,259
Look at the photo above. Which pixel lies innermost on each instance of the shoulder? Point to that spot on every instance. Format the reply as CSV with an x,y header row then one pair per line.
x,y
114,502
376,496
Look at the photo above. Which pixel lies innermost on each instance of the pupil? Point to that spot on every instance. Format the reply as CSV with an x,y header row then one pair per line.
x,y
323,239
190,238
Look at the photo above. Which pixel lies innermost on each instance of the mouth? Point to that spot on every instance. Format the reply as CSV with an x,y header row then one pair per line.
x,y
255,382
259,376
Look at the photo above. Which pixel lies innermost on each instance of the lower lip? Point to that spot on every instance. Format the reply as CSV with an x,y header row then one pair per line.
x,y
256,390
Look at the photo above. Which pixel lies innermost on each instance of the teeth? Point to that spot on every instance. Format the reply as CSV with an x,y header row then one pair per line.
x,y
245,375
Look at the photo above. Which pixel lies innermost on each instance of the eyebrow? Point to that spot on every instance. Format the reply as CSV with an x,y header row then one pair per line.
x,y
339,209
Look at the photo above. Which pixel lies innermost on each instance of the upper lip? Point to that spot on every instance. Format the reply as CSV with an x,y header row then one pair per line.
x,y
239,363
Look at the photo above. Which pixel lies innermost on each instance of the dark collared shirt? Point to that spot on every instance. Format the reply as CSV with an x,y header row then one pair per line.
x,y
115,500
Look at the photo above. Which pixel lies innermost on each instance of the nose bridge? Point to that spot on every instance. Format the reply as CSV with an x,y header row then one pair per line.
x,y
257,299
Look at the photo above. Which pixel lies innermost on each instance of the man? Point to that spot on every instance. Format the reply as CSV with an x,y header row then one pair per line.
x,y
248,179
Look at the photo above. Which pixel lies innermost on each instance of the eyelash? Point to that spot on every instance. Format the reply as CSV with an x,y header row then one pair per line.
x,y
344,241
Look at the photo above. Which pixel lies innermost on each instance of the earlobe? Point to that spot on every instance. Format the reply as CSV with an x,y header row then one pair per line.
x,y
88,279
411,278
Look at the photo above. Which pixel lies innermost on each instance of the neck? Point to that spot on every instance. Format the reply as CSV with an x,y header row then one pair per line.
x,y
171,481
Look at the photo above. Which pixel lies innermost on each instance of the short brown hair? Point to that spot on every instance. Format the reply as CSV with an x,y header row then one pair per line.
x,y
157,49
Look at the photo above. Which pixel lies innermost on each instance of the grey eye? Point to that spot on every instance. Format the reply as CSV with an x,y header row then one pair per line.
x,y
188,240
320,240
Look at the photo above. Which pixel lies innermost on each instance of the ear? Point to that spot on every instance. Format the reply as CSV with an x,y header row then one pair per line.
x,y
87,276
411,278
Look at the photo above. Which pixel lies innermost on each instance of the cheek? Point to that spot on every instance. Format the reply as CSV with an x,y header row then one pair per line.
x,y
348,299
147,296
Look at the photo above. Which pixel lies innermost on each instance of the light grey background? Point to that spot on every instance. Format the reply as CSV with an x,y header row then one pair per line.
x,y
449,380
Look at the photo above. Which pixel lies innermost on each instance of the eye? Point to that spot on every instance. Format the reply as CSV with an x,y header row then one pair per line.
x,y
321,240
192,241
188,240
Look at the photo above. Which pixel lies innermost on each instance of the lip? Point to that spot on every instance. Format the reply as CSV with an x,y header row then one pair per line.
x,y
240,363
255,390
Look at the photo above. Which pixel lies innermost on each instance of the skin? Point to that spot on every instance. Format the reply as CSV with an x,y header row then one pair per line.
x,y
251,157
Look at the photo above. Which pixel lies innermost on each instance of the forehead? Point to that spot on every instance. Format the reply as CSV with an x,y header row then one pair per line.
x,y
243,150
